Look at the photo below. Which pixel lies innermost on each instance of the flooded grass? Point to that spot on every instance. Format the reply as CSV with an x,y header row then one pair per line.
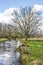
x,y
3,40
8,56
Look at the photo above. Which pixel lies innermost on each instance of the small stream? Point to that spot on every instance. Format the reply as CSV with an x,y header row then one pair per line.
x,y
8,55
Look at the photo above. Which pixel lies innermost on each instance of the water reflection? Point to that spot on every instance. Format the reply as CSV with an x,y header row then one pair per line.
x,y
8,56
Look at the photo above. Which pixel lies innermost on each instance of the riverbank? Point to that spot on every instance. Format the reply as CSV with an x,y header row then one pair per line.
x,y
3,40
31,51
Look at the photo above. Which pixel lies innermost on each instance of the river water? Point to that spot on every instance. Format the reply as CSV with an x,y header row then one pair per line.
x,y
8,55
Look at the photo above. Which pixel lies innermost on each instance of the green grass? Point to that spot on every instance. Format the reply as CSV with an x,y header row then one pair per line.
x,y
35,51
3,40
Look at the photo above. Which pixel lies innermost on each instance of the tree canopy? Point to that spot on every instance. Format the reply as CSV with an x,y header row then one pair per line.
x,y
26,23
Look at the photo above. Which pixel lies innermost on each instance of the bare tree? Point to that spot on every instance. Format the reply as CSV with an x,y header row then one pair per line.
x,y
26,23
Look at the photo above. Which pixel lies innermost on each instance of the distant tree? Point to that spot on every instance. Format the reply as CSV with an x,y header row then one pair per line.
x,y
26,23
0,29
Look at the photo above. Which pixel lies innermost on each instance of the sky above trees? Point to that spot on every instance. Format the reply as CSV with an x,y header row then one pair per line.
x,y
5,4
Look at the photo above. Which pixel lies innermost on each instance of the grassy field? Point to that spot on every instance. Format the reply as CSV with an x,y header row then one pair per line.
x,y
30,51
3,40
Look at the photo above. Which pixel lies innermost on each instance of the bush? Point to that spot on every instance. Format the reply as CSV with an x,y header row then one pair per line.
x,y
24,60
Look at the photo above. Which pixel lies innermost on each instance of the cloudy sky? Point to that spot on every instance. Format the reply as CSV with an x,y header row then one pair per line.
x,y
5,4
7,7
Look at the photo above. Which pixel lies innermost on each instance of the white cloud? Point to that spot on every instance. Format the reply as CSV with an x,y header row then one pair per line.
x,y
6,16
11,10
37,8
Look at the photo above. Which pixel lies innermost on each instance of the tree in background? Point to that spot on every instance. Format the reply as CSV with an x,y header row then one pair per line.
x,y
26,23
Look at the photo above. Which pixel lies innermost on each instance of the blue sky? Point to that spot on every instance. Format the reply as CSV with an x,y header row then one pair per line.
x,y
5,4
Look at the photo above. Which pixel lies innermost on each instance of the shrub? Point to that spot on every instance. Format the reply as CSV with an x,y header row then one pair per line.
x,y
24,60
